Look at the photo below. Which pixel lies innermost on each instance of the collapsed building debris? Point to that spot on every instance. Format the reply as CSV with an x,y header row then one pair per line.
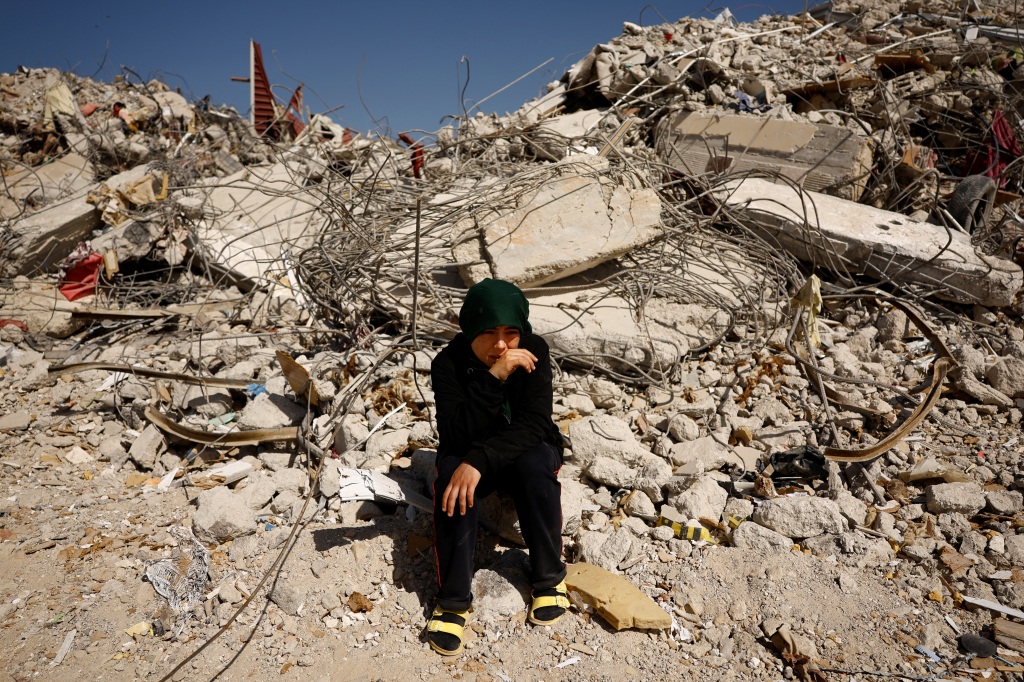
x,y
229,327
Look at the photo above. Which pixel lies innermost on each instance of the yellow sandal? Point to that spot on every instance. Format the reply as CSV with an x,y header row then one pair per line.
x,y
549,605
445,629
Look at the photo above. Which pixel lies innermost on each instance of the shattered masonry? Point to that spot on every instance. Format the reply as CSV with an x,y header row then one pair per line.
x,y
779,267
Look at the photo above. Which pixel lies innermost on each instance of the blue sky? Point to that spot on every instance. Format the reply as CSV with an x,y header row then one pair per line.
x,y
366,64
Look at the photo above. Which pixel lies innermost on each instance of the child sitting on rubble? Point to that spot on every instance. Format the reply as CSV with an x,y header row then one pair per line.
x,y
492,386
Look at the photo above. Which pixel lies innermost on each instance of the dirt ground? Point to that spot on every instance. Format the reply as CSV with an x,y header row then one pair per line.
x,y
76,542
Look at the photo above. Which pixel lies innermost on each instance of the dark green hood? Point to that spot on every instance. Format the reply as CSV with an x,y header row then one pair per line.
x,y
492,303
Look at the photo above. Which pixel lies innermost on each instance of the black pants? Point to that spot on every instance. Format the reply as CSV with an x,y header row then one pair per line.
x,y
532,482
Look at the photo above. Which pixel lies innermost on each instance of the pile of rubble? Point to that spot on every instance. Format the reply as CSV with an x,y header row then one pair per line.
x,y
779,267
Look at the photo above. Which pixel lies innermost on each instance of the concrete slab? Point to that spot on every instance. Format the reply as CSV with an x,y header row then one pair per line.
x,y
616,599
553,137
569,221
63,177
821,158
849,237
41,240
252,217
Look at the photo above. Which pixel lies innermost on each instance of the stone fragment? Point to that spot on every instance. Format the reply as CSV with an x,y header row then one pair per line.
x,y
1004,502
706,453
604,436
606,550
270,411
755,536
879,243
78,456
502,589
147,448
703,498
575,498
615,599
605,394
579,217
222,516
259,490
1007,376
801,516
15,421
682,428
289,596
965,498
384,446
610,472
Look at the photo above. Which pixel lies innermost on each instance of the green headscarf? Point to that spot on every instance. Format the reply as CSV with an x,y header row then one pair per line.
x,y
491,303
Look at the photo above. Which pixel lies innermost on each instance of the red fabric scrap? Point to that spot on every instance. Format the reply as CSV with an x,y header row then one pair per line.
x,y
5,321
89,108
992,162
417,154
82,277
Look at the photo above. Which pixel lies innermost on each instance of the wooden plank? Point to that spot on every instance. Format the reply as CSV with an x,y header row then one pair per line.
x,y
1008,633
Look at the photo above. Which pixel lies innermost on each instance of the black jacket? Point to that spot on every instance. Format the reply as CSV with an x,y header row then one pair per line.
x,y
470,420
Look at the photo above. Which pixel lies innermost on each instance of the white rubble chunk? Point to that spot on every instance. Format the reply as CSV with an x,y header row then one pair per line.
x,y
703,498
270,411
965,498
707,453
801,516
755,536
578,218
222,515
610,472
604,436
879,243
148,447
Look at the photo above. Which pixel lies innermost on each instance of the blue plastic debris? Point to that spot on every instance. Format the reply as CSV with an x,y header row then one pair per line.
x,y
253,390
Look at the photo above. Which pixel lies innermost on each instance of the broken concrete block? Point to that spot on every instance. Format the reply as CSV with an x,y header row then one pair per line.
x,y
817,157
610,472
1004,502
385,446
604,436
78,456
702,498
755,536
579,218
615,599
706,453
575,498
1007,376
15,421
801,516
606,550
59,179
289,596
845,236
148,447
965,498
270,411
222,516
502,589
553,137
260,489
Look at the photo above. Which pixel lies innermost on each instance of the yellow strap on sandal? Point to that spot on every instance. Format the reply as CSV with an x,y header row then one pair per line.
x,y
541,602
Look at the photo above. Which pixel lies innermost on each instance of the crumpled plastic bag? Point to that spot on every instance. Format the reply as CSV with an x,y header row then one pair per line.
x,y
181,578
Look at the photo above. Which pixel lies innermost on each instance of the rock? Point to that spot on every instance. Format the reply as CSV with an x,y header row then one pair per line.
x,y
707,453
782,438
755,536
604,436
965,498
383,447
575,498
606,550
578,403
609,472
682,428
605,394
15,421
615,599
1004,502
222,516
892,325
1014,548
351,433
983,393
290,480
640,504
502,589
800,517
853,508
78,456
1007,376
207,401
270,411
147,448
703,498
289,596
260,489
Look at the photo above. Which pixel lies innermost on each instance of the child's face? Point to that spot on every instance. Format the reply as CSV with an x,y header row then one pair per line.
x,y
491,344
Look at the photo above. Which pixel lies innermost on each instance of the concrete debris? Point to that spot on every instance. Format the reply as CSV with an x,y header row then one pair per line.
x,y
615,599
251,309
